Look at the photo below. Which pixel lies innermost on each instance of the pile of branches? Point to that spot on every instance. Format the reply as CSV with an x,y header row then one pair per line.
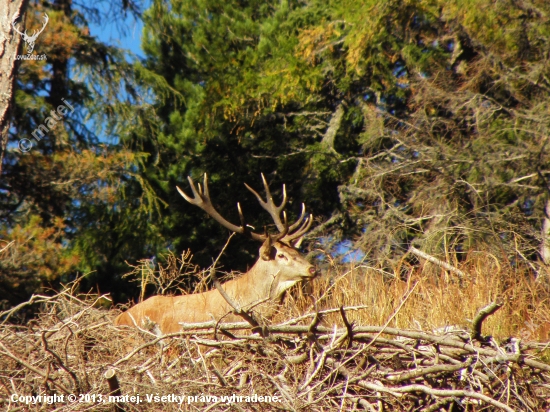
x,y
301,364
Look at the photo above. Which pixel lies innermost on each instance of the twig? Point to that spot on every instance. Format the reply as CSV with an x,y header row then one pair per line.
x,y
432,369
60,362
436,392
236,308
32,368
34,299
483,314
323,312
438,262
7,246
349,326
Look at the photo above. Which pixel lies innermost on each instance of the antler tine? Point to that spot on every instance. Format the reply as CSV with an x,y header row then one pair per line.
x,y
197,198
37,32
195,195
303,229
201,198
298,221
270,198
269,205
241,218
205,183
284,232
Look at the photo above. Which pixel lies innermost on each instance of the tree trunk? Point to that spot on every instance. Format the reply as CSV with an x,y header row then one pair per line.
x,y
9,45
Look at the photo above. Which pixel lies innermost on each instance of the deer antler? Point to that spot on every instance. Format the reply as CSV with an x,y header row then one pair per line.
x,y
269,205
285,232
201,198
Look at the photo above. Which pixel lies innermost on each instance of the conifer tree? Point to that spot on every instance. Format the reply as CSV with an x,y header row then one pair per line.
x,y
401,123
70,203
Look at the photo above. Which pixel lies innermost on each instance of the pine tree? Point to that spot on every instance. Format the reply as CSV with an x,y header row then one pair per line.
x,y
70,203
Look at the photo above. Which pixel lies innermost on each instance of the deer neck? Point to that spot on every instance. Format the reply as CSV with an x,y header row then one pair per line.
x,y
262,282
270,280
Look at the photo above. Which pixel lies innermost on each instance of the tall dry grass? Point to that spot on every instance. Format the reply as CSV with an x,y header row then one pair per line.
x,y
423,296
427,297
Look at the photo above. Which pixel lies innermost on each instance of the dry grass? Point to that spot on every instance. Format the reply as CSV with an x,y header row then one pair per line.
x,y
440,299
397,364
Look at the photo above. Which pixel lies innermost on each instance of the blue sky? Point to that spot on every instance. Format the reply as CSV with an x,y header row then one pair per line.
x,y
109,32
123,34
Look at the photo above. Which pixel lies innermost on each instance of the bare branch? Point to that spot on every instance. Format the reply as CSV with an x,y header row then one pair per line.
x,y
438,262
483,314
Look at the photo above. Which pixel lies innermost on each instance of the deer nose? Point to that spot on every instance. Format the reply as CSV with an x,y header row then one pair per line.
x,y
312,270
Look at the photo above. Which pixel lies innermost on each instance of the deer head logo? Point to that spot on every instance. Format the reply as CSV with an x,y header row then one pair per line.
x,y
30,40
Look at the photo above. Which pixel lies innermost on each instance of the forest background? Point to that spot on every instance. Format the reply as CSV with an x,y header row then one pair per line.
x,y
420,123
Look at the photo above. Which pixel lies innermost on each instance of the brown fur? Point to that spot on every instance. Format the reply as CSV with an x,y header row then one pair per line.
x,y
280,267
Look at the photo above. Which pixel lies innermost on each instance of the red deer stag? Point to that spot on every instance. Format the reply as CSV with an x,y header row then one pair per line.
x,y
279,267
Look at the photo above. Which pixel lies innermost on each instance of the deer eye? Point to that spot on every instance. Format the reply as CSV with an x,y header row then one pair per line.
x,y
281,256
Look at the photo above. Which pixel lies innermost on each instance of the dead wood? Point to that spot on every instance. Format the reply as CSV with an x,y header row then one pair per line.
x,y
72,347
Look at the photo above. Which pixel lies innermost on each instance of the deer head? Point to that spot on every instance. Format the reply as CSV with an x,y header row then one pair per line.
x,y
30,40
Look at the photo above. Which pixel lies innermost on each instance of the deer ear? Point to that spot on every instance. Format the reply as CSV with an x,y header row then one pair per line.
x,y
265,249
